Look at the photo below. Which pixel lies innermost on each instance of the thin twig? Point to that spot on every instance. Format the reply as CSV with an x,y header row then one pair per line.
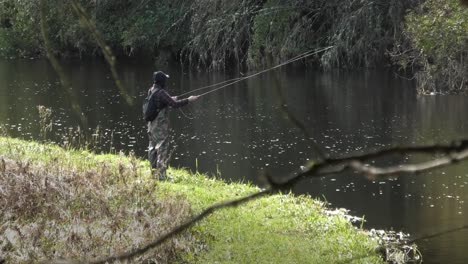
x,y
64,80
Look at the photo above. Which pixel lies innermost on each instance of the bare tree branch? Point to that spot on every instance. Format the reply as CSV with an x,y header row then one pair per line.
x,y
335,165
66,84
456,145
106,50
411,168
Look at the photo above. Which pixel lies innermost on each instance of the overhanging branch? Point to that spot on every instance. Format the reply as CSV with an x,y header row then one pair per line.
x,y
411,168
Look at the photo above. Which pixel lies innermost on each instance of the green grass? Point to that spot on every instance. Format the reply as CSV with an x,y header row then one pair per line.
x,y
281,228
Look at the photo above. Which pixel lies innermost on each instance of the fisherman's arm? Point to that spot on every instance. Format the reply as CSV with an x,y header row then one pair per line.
x,y
174,103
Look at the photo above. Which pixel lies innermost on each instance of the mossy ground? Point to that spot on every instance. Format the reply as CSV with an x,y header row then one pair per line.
x,y
281,228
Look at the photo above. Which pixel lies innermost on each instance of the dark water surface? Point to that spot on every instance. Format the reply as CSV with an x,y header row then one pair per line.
x,y
239,131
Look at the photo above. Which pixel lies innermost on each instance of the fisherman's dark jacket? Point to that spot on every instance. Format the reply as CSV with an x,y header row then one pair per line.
x,y
163,99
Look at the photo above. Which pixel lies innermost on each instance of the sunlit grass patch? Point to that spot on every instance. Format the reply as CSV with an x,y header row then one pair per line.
x,y
281,228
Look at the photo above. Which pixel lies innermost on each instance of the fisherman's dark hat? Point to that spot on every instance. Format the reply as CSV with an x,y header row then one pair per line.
x,y
160,77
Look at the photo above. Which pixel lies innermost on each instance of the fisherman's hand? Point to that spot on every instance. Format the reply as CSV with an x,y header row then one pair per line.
x,y
193,98
174,98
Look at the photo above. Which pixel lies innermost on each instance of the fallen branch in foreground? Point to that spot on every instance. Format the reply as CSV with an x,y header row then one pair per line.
x,y
457,151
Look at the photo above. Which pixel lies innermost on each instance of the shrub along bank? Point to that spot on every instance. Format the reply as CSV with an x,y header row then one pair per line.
x,y
62,204
436,46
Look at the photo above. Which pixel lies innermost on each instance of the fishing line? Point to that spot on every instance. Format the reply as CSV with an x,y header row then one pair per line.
x,y
185,115
239,79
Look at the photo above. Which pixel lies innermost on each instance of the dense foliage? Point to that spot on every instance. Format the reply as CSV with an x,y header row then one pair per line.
x,y
212,34
129,27
359,31
437,33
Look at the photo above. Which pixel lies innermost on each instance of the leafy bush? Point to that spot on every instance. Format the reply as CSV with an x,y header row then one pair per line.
x,y
220,32
17,37
359,31
152,27
6,45
271,33
363,31
437,48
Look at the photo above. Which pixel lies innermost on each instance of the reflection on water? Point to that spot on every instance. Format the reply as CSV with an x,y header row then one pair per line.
x,y
240,131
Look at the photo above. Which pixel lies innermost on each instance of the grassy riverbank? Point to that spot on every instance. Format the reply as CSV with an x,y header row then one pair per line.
x,y
60,203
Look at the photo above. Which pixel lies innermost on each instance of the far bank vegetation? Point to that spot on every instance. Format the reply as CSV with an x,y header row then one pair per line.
x,y
428,38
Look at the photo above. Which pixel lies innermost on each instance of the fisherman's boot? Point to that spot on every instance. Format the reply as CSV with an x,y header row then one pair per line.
x,y
163,175
155,173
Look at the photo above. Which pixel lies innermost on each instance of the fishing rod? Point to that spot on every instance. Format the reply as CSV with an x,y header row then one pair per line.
x,y
210,86
239,79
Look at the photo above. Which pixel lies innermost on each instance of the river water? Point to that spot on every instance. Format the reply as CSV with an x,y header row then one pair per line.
x,y
238,132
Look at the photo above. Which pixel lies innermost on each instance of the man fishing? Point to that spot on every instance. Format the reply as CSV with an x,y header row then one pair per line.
x,y
158,126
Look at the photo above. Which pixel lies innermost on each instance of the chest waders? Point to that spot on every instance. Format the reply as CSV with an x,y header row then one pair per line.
x,y
158,149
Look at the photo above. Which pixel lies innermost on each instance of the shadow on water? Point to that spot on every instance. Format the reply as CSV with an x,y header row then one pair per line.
x,y
240,131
